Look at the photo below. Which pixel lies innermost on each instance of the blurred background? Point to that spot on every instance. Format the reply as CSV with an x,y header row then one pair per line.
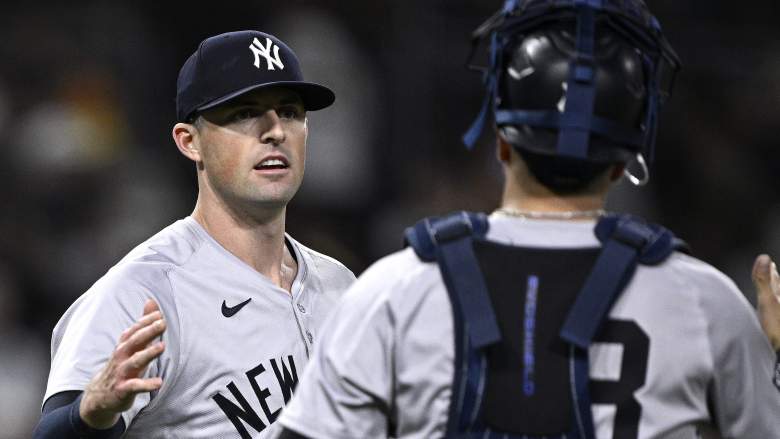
x,y
87,104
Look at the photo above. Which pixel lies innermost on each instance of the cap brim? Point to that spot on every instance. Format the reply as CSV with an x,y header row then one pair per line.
x,y
314,96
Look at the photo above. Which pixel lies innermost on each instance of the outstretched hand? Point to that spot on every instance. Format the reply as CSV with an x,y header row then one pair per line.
x,y
114,388
767,283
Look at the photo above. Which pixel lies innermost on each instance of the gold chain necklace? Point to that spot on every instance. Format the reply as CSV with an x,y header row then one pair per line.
x,y
566,215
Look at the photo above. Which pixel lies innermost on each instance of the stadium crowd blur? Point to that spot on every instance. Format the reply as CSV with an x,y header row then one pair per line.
x,y
87,103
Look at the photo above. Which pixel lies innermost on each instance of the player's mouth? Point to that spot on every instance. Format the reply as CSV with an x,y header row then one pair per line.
x,y
271,164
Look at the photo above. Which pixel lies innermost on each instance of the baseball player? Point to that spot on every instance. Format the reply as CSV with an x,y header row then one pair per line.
x,y
550,318
203,330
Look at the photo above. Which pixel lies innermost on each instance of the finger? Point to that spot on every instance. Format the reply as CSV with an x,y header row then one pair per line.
x,y
761,268
767,283
142,322
139,385
775,281
151,306
137,363
771,298
762,278
142,337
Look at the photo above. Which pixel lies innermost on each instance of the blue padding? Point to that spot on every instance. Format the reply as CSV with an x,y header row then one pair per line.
x,y
614,266
464,278
661,242
421,236
449,241
420,240
451,227
626,241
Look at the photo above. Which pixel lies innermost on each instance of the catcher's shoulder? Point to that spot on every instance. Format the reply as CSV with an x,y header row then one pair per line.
x,y
400,271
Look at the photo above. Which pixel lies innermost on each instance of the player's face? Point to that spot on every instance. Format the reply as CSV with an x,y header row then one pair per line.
x,y
253,149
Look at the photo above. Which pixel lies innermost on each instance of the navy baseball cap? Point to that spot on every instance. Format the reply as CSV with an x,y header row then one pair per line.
x,y
228,65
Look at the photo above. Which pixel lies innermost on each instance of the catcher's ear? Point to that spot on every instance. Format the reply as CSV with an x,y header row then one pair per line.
x,y
617,172
186,137
503,150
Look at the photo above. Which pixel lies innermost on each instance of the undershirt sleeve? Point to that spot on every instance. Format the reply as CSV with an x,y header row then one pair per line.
x,y
61,420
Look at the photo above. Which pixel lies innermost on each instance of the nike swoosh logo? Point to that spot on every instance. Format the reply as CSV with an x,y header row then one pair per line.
x,y
230,311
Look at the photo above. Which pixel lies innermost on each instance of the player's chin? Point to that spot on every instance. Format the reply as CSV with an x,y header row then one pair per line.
x,y
274,195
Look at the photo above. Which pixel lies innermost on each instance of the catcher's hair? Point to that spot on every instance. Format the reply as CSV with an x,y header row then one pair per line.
x,y
563,176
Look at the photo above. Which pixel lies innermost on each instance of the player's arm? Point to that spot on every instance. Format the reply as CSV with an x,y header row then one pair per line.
x,y
744,401
97,410
346,389
767,283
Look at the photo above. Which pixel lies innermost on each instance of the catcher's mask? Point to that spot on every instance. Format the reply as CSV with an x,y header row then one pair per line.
x,y
581,79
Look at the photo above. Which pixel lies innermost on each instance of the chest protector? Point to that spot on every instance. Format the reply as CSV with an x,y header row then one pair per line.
x,y
525,318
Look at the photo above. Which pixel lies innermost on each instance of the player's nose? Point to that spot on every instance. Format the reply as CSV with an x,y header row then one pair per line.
x,y
271,128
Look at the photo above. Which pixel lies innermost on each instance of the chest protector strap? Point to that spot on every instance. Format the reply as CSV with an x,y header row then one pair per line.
x,y
626,242
448,240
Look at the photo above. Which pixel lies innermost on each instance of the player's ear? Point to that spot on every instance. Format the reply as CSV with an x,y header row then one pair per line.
x,y
187,139
503,150
616,172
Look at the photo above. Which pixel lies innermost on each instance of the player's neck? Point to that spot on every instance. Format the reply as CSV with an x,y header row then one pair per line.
x,y
554,204
530,196
255,238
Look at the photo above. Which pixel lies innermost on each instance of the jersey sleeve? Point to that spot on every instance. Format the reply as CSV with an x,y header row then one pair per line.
x,y
346,389
745,402
88,332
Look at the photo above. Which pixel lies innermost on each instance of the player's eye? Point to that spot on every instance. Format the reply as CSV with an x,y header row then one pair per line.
x,y
289,112
243,114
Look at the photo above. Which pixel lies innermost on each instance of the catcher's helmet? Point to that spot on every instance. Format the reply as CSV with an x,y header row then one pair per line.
x,y
581,79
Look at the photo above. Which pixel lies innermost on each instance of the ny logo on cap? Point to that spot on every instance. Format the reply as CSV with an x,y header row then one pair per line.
x,y
258,50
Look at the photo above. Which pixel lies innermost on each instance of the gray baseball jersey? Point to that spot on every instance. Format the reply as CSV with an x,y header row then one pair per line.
x,y
236,344
387,350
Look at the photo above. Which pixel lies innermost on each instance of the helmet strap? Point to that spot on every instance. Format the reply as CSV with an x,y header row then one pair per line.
x,y
576,121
